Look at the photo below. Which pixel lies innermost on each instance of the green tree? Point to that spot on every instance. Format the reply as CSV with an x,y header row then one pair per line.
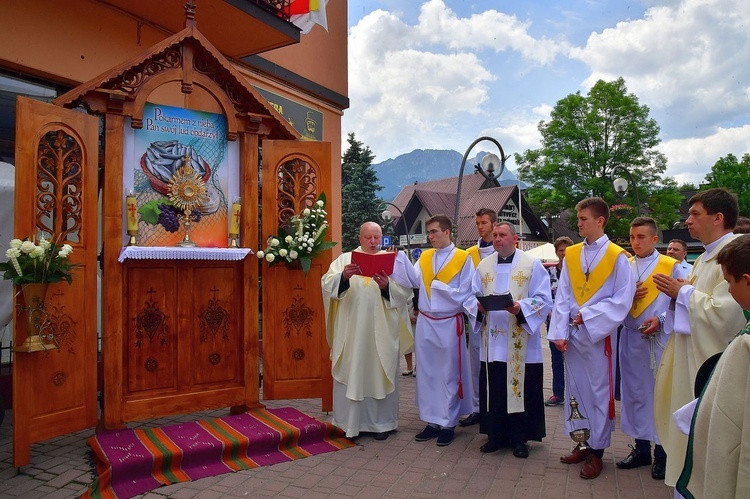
x,y
734,175
359,187
687,186
586,139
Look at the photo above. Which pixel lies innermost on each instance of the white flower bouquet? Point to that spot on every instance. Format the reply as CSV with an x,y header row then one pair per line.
x,y
301,239
42,261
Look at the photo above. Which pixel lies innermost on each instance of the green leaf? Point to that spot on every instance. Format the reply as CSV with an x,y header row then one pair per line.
x,y
150,211
326,245
306,262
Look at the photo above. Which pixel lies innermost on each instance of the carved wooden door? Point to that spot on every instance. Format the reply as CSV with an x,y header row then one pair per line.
x,y
54,391
295,352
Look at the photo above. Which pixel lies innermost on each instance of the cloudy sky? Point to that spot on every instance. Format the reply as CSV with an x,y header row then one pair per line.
x,y
437,74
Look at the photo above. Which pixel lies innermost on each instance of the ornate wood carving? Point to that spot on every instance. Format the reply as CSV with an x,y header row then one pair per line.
x,y
214,318
61,323
208,66
59,184
297,188
298,317
150,321
134,78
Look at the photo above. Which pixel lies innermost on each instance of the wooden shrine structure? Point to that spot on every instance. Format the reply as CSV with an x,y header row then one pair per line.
x,y
178,335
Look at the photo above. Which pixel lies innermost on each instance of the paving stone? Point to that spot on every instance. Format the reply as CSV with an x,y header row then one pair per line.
x,y
395,468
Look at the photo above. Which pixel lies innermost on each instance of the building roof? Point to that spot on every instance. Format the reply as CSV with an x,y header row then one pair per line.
x,y
439,197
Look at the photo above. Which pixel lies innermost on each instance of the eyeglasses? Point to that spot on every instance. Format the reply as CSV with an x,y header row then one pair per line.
x,y
434,231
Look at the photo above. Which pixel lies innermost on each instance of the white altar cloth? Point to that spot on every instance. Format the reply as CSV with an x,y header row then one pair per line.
x,y
179,253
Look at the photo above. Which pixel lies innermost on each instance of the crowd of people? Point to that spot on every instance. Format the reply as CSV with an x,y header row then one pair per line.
x,y
476,321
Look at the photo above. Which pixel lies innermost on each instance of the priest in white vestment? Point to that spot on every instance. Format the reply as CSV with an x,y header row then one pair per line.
x,y
594,294
485,219
717,462
368,329
642,342
444,384
512,375
703,321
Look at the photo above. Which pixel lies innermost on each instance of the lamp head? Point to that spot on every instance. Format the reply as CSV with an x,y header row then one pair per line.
x,y
620,185
490,163
386,215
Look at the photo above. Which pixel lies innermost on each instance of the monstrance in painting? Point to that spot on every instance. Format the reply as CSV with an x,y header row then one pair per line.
x,y
187,191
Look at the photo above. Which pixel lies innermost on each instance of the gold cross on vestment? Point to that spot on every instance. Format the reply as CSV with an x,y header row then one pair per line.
x,y
486,279
583,289
520,278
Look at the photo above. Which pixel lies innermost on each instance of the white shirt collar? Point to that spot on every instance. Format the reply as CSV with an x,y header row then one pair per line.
x,y
597,243
712,246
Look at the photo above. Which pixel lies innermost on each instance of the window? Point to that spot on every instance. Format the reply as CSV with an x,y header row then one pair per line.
x,y
10,88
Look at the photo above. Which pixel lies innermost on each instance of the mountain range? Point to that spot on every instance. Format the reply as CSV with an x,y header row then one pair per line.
x,y
422,165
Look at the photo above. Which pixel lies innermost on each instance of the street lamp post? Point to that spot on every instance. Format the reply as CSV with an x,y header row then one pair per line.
x,y
386,216
521,169
620,186
491,163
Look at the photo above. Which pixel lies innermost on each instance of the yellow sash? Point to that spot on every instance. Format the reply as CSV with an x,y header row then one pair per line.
x,y
583,289
448,272
475,256
663,266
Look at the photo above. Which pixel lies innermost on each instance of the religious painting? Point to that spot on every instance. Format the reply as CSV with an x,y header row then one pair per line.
x,y
181,150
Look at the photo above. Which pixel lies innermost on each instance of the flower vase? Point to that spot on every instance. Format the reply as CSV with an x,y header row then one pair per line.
x,y
37,323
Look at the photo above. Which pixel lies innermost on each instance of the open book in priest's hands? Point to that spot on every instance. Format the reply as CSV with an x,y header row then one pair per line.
x,y
496,302
371,264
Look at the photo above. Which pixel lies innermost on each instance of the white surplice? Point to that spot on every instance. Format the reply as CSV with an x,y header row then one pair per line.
x,y
589,370
535,307
474,339
438,346
640,358
535,304
705,319
367,335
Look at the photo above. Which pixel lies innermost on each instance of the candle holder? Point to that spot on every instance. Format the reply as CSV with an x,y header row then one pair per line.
x,y
131,211
234,224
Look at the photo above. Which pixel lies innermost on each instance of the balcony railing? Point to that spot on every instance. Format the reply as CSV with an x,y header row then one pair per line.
x,y
281,8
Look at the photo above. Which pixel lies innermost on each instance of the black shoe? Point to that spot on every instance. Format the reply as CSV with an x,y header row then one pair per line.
x,y
445,437
520,450
428,433
469,420
381,436
492,446
634,460
659,469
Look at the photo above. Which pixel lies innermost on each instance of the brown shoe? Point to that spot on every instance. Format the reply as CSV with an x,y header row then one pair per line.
x,y
592,468
575,456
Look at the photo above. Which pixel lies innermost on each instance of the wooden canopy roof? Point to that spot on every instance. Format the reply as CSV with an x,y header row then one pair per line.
x,y
189,58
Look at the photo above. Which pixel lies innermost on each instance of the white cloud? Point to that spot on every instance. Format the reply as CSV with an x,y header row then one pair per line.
x,y
686,60
690,159
428,85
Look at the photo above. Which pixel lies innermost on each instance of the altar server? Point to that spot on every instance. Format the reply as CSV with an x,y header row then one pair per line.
x,y
594,294
704,319
718,453
642,342
444,383
485,219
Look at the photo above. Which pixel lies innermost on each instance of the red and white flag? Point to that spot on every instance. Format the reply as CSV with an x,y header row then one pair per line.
x,y
307,13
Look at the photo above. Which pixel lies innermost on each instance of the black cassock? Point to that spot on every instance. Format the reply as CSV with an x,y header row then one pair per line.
x,y
519,427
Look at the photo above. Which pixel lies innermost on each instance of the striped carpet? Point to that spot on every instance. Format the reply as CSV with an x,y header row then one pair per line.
x,y
131,462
